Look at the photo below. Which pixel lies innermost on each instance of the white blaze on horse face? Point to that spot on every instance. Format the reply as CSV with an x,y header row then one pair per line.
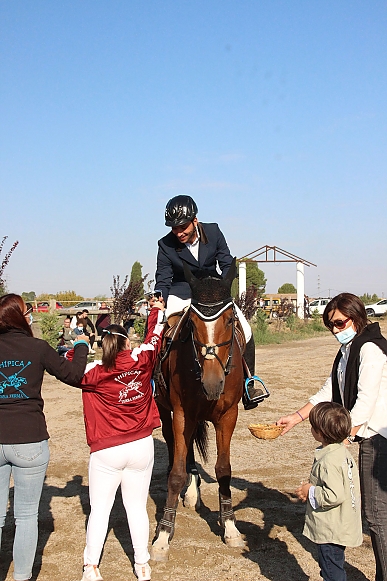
x,y
210,327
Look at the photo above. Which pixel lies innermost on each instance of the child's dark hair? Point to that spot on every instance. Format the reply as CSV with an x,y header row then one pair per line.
x,y
331,420
113,341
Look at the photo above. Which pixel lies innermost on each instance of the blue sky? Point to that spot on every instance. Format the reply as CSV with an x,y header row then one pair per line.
x,y
271,114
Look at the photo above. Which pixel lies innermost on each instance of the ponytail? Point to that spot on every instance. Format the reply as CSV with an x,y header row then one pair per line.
x,y
113,341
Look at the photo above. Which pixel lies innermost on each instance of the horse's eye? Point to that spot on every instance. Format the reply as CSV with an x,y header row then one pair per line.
x,y
229,321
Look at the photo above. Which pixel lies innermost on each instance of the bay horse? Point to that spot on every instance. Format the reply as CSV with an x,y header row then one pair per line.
x,y
203,381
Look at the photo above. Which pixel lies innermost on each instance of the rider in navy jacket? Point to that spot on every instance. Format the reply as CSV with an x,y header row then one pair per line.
x,y
212,249
203,247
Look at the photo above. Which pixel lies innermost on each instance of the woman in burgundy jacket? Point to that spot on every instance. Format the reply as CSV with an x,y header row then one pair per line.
x,y
120,415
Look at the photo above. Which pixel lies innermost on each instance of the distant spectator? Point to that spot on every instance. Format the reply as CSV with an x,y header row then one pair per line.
x,y
66,337
103,320
88,327
306,307
29,311
74,320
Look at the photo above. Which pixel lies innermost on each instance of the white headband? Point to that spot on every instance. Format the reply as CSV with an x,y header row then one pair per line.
x,y
114,333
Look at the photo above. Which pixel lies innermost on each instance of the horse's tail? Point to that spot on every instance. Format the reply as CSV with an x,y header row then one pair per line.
x,y
201,440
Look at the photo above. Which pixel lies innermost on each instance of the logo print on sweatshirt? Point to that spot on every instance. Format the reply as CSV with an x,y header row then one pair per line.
x,y
133,385
14,381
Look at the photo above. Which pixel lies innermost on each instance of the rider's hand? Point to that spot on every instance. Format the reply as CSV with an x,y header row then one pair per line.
x,y
158,303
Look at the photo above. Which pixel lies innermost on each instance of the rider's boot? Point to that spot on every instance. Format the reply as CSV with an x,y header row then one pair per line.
x,y
253,393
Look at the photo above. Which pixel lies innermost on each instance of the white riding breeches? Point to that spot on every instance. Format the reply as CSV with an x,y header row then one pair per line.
x,y
129,465
176,304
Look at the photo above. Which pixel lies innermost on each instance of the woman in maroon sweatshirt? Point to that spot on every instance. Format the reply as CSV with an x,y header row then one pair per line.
x,y
120,415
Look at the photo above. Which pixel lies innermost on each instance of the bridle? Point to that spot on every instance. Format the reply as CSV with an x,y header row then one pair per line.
x,y
210,351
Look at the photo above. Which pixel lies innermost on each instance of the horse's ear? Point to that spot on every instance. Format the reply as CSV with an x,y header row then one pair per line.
x,y
232,272
189,277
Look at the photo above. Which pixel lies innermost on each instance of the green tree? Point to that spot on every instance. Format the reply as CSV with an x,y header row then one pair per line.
x,y
369,299
68,298
287,288
45,297
29,297
136,275
255,277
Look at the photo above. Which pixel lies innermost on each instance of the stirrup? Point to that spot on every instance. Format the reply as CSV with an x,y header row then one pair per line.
x,y
252,402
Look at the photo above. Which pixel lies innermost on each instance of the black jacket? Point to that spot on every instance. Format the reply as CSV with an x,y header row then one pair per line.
x,y
370,334
213,250
23,360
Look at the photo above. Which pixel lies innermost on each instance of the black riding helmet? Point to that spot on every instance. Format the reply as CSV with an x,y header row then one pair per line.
x,y
180,210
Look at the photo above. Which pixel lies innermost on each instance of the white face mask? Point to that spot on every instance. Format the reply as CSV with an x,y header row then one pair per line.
x,y
344,337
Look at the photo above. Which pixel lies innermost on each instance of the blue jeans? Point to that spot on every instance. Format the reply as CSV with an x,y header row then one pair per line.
x,y
27,463
373,482
331,561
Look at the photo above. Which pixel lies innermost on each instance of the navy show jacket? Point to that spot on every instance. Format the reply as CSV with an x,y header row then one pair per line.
x,y
213,252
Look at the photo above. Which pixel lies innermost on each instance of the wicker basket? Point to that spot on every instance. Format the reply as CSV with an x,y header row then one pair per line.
x,y
265,431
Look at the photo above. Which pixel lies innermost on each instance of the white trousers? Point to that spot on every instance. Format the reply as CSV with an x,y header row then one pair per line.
x,y
176,304
131,466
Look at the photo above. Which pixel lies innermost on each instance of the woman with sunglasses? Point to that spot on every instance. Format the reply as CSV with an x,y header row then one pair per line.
x,y
24,451
358,381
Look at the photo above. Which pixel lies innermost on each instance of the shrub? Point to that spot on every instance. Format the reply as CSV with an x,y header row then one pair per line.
x,y
139,327
50,326
4,263
247,302
267,333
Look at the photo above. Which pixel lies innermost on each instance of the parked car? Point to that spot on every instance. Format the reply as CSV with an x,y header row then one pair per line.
x,y
44,307
93,305
318,305
377,309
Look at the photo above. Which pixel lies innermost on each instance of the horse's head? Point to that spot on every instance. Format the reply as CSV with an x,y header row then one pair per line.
x,y
213,326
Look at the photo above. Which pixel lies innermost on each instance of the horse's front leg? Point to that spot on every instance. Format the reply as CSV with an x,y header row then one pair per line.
x,y
224,429
167,430
176,481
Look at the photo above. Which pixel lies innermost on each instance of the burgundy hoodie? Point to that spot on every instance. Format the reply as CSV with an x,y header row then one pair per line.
x,y
118,405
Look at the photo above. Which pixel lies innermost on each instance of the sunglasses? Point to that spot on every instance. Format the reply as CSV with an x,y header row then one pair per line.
x,y
338,323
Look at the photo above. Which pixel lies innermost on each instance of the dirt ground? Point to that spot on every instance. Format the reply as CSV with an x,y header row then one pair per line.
x,y
265,474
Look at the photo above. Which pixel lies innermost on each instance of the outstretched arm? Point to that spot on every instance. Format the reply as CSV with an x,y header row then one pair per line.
x,y
295,418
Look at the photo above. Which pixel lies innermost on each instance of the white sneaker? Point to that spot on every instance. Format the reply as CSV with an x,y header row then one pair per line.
x,y
92,352
91,573
142,572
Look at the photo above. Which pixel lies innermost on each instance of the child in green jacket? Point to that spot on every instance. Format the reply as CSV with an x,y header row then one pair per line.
x,y
333,515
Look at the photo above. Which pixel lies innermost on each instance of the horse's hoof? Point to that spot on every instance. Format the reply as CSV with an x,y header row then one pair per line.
x,y
159,555
235,542
191,503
